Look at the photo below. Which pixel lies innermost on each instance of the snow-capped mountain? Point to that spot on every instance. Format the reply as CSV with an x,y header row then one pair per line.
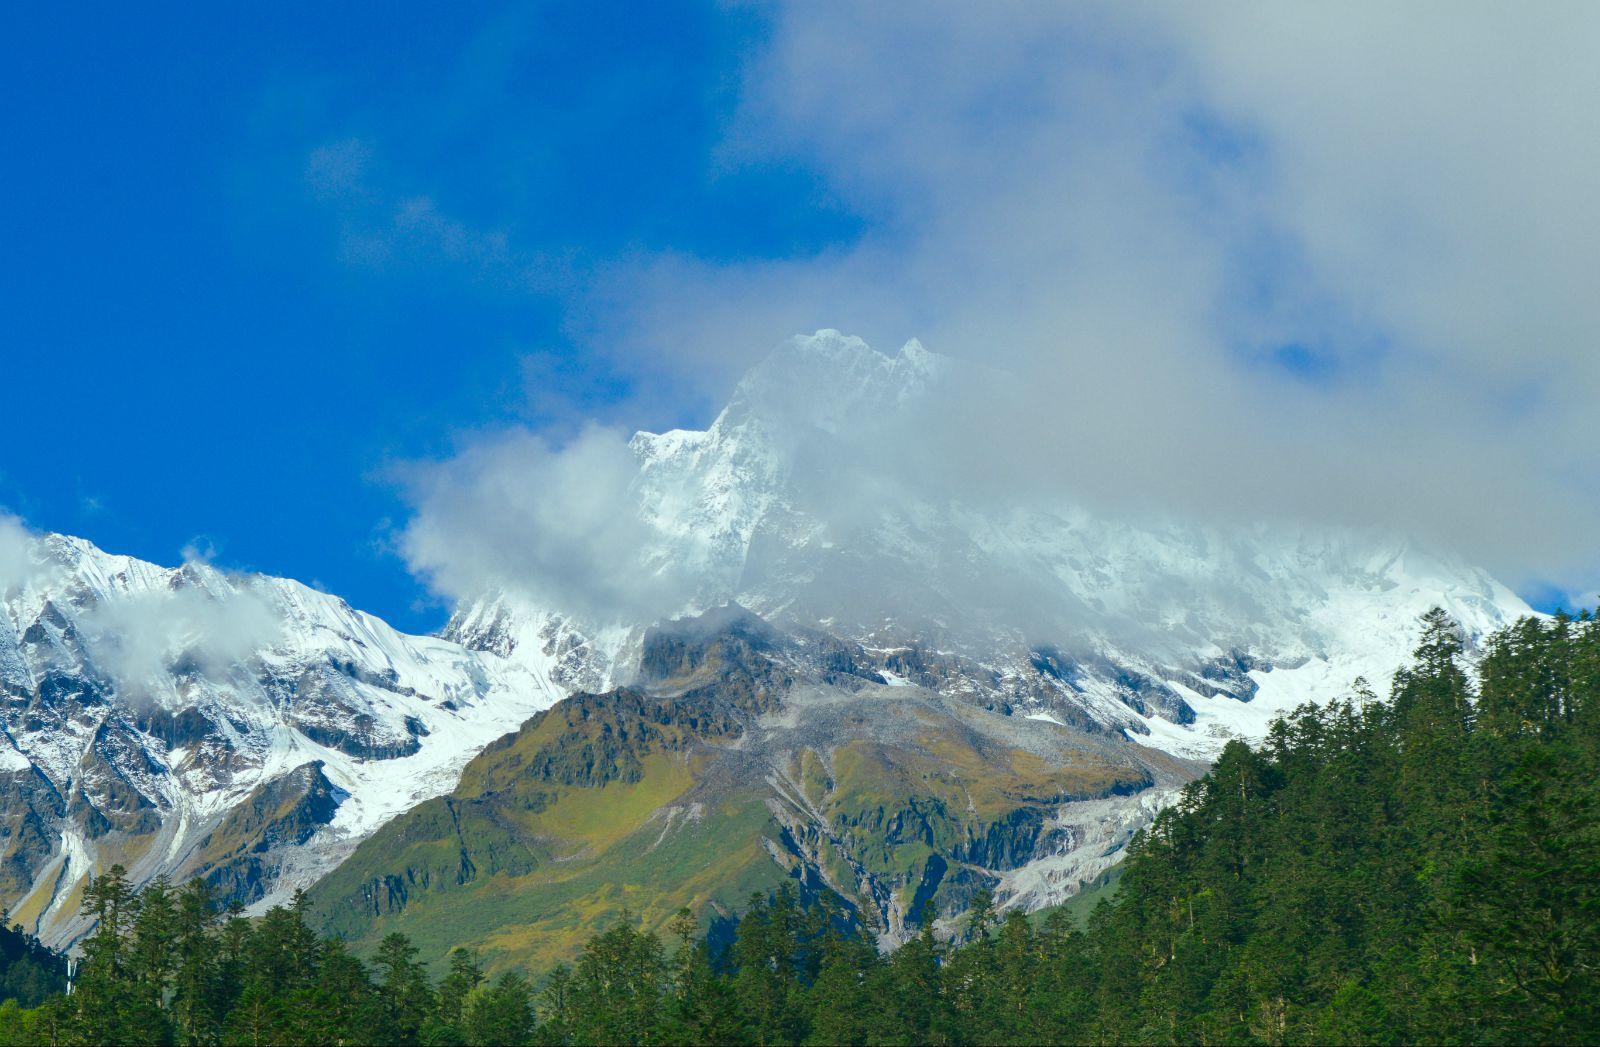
x,y
254,731
187,722
1181,633
880,682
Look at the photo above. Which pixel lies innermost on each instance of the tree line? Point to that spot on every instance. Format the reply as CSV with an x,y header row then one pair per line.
x,y
1420,869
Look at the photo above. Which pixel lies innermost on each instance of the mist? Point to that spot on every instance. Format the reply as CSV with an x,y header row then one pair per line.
x,y
142,638
211,623
551,524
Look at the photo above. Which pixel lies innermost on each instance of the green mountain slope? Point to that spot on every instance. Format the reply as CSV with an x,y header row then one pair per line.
x,y
734,765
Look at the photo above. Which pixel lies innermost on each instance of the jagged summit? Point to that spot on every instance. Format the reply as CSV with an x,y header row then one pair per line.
x,y
828,382
794,504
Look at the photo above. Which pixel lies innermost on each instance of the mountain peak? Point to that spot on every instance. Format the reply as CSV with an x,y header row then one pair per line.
x,y
828,382
797,503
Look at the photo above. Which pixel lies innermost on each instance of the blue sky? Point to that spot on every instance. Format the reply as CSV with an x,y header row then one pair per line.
x,y
257,259
193,352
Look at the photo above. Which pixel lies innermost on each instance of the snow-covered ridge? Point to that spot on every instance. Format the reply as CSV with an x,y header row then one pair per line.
x,y
144,705
1181,633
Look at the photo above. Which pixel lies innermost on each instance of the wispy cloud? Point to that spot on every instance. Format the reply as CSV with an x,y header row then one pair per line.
x,y
381,226
211,622
552,524
17,565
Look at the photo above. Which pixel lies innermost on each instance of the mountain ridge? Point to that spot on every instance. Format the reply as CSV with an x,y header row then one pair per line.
x,y
743,757
257,731
147,708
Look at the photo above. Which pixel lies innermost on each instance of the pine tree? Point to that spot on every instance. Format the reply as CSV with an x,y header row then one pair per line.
x,y
407,997
343,1007
913,1005
195,1005
621,979
768,962
839,1006
255,1019
443,1027
1060,1007
150,962
102,990
1530,899
501,1013
557,1010
700,1006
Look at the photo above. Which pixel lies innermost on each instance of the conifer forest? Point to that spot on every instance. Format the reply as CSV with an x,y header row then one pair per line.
x,y
1423,867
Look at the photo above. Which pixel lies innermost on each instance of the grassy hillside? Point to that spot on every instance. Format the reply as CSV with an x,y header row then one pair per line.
x,y
726,773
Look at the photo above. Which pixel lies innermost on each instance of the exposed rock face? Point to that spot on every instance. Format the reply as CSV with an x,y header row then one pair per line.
x,y
237,858
32,807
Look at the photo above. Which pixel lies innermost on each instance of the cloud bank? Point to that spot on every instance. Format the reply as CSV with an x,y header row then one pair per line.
x,y
142,638
1259,261
548,523
17,566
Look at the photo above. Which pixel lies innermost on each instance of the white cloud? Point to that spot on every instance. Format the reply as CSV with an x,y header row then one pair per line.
x,y
207,620
17,565
552,524
138,637
1133,208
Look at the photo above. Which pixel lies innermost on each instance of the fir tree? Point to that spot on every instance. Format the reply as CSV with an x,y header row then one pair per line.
x,y
407,997
620,978
501,1013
